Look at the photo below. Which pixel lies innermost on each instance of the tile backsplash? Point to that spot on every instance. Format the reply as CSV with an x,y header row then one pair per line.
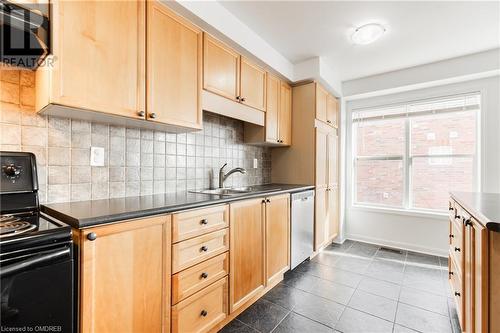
x,y
137,161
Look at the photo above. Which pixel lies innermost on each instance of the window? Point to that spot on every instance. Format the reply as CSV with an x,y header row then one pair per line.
x,y
411,156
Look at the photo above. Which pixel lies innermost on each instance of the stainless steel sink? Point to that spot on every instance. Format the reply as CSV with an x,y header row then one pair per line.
x,y
233,190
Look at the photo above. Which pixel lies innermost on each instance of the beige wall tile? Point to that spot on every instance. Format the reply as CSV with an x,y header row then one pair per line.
x,y
80,156
40,154
59,156
80,174
9,92
10,113
27,78
33,136
80,192
58,138
9,75
58,193
116,189
27,96
100,190
30,118
59,175
11,134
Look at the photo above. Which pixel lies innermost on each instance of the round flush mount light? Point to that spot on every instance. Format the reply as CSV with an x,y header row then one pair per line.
x,y
367,33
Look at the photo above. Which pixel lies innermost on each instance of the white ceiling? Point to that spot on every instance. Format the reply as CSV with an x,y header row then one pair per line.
x,y
419,32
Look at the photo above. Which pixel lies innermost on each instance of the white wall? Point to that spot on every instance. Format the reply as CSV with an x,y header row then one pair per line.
x,y
420,232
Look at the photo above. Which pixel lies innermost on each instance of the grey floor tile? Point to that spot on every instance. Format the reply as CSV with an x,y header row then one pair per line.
x,y
354,321
391,271
331,274
301,280
424,300
363,249
444,262
320,309
402,329
285,296
422,320
353,264
390,254
455,323
333,291
236,326
299,324
340,247
380,288
434,285
375,305
263,315
422,259
328,258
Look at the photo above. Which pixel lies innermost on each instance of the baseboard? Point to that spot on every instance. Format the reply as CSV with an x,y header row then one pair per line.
x,y
398,245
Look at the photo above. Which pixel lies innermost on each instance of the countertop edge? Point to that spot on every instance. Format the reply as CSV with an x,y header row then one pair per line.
x,y
127,216
479,216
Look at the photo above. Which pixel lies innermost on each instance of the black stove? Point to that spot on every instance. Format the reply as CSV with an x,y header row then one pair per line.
x,y
36,254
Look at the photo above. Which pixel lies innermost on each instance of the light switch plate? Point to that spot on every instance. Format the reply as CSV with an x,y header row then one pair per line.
x,y
96,156
255,163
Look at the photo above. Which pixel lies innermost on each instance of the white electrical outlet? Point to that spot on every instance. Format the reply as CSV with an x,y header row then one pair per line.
x,y
96,156
255,163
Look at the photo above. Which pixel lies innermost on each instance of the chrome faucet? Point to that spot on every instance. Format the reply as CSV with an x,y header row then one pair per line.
x,y
223,176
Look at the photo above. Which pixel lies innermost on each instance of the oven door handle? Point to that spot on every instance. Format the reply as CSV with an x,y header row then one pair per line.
x,y
34,262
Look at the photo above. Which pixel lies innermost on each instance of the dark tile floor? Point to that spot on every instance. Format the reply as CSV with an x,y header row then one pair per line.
x,y
357,287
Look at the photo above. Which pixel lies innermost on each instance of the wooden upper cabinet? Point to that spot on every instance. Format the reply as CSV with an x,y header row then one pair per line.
x,y
174,64
126,264
321,103
252,85
277,236
273,87
332,159
221,68
285,114
332,108
247,260
98,57
321,158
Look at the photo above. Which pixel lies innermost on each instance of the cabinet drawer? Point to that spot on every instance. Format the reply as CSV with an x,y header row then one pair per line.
x,y
194,279
457,245
451,209
203,310
192,251
457,289
197,222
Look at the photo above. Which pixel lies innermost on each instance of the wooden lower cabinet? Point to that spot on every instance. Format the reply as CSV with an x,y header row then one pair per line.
x,y
320,218
125,276
277,236
247,270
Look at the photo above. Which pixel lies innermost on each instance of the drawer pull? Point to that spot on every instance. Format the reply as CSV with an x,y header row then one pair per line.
x,y
92,236
452,236
457,216
450,208
204,275
468,223
450,273
204,313
457,294
203,248
204,222
457,249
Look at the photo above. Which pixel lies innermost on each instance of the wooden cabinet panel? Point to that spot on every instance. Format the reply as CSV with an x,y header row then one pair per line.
x,y
321,103
252,85
127,264
192,251
320,218
480,275
457,288
196,222
333,212
99,53
332,110
333,159
321,158
174,64
195,278
246,267
285,114
277,235
203,310
221,67
273,108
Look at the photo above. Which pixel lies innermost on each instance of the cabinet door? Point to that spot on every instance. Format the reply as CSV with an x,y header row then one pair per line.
x,y
468,280
221,67
173,68
321,103
252,85
333,212
99,53
478,283
246,259
127,265
331,110
273,106
285,118
332,159
321,158
277,235
320,218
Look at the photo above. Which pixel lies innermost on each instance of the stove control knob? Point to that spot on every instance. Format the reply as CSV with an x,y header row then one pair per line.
x,y
11,171
92,236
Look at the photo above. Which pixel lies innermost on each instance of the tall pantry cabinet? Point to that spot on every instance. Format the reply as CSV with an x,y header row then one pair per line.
x,y
313,158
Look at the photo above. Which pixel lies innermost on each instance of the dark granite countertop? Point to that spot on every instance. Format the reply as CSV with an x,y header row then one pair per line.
x,y
82,214
485,207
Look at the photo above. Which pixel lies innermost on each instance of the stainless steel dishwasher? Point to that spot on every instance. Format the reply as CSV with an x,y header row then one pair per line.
x,y
302,227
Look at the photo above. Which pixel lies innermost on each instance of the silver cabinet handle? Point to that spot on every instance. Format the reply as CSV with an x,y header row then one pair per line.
x,y
152,115
141,113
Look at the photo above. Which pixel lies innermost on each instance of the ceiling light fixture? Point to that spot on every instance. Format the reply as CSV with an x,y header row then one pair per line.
x,y
367,33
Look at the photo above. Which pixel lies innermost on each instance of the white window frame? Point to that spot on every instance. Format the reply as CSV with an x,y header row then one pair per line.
x,y
407,159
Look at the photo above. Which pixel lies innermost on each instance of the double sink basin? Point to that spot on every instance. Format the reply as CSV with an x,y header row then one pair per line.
x,y
232,191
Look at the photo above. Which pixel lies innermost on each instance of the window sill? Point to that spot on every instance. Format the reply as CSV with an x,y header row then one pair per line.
x,y
404,212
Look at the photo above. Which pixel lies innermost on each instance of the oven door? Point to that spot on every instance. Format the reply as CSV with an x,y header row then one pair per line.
x,y
37,291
